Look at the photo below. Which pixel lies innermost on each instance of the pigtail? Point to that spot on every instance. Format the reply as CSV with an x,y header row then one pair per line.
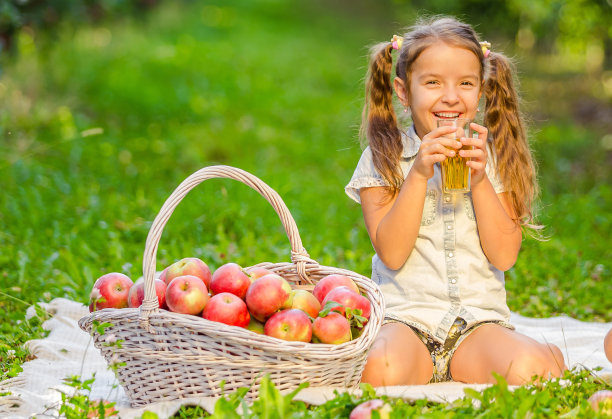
x,y
379,122
506,126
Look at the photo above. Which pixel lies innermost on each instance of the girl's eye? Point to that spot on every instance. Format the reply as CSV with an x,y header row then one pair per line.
x,y
467,83
431,82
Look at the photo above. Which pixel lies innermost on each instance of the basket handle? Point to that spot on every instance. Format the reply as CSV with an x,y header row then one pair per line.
x,y
299,256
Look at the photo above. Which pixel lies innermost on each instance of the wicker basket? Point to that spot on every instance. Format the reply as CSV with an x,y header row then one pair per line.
x,y
167,356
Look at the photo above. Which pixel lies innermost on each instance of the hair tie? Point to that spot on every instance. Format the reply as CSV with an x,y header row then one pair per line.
x,y
485,48
396,42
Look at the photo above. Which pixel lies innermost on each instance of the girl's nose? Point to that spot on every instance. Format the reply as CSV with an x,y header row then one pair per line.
x,y
450,95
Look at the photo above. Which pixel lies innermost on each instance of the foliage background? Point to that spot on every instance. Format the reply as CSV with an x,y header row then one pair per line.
x,y
103,114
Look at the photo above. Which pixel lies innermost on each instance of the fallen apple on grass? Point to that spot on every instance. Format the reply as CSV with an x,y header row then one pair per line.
x,y
187,294
110,291
227,308
267,295
601,401
230,278
136,294
329,282
101,409
365,409
289,324
187,266
608,345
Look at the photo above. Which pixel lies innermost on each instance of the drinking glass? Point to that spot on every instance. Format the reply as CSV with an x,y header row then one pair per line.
x,y
455,172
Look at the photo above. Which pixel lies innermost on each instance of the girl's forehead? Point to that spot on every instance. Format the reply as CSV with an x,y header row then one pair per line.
x,y
450,58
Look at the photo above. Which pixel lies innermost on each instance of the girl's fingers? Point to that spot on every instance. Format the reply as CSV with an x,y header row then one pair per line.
x,y
482,131
438,148
438,135
436,158
475,153
476,150
450,142
438,132
474,142
475,165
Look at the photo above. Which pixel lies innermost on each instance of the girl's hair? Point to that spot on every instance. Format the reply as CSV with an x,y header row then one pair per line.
x,y
502,115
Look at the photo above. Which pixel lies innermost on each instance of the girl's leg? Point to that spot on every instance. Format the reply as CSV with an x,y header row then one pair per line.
x,y
516,357
397,357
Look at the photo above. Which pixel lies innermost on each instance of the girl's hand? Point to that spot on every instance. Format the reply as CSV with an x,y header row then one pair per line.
x,y
435,147
478,153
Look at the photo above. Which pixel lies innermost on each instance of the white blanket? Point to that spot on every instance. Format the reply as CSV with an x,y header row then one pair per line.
x,y
68,350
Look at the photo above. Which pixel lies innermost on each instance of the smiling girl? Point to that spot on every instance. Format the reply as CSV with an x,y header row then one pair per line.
x,y
440,257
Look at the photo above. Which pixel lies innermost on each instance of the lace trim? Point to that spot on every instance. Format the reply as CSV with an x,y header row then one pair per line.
x,y
352,189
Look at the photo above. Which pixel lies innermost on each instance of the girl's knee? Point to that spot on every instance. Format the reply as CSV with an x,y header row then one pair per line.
x,y
378,371
555,359
541,361
387,365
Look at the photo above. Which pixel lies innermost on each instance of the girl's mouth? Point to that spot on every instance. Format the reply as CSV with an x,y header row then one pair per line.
x,y
447,115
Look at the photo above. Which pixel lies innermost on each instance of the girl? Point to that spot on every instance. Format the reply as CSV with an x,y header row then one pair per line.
x,y
440,257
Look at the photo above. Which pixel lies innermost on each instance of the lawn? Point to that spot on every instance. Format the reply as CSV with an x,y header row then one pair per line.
x,y
100,122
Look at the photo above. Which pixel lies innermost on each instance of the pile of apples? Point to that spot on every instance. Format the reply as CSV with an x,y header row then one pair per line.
x,y
256,299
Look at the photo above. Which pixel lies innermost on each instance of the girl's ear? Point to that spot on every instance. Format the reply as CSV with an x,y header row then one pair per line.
x,y
401,91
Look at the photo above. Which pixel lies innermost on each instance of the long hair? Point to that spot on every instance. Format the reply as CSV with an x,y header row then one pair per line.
x,y
502,116
379,122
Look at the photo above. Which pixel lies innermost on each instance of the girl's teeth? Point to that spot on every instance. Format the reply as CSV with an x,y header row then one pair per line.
x,y
446,115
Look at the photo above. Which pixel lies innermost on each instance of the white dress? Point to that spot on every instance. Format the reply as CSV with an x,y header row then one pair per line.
x,y
447,275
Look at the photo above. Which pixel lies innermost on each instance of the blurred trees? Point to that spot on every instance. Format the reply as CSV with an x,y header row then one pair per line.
x,y
45,14
579,30
562,36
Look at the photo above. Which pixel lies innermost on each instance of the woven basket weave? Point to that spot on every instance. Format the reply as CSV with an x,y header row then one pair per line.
x,y
167,356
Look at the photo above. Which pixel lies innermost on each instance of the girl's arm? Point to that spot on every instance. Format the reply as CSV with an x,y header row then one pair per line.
x,y
500,234
393,224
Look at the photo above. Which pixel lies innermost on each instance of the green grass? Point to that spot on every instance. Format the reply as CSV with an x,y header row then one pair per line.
x,y
549,400
99,124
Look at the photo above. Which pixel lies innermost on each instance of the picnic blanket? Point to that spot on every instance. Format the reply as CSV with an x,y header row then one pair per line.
x,y
68,350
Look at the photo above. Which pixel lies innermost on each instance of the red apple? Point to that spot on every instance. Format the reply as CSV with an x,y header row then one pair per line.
x,y
333,328
110,291
326,284
304,300
267,295
230,278
348,299
94,409
290,324
608,345
186,294
601,401
255,326
365,409
136,294
227,308
187,266
258,272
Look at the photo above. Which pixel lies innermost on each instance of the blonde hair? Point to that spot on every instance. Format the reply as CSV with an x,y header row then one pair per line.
x,y
502,115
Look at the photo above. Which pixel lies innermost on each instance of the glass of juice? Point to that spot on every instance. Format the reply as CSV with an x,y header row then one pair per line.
x,y
455,173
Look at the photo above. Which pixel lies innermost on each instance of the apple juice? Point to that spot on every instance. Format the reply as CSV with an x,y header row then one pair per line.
x,y
455,174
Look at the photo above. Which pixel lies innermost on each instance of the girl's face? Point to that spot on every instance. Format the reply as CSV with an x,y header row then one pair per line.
x,y
444,83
